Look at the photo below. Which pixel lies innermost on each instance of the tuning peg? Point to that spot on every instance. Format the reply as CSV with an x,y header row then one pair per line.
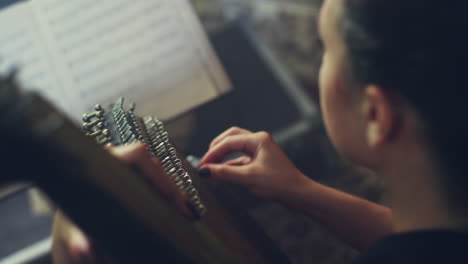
x,y
104,132
105,140
98,114
97,123
98,107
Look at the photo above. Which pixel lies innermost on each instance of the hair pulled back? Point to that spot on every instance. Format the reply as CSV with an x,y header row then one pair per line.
x,y
418,49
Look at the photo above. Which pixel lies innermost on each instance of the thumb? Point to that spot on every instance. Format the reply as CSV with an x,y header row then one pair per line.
x,y
78,243
226,173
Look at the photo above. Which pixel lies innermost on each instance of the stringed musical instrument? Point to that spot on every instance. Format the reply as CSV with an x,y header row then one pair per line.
x,y
121,212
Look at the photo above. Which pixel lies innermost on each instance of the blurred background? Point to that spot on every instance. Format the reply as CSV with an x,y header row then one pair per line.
x,y
271,52
288,27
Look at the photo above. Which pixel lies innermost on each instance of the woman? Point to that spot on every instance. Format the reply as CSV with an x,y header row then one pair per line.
x,y
390,88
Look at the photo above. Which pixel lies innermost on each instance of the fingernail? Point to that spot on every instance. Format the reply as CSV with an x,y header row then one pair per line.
x,y
205,173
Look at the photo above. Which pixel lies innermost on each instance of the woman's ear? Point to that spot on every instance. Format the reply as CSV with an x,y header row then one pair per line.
x,y
379,116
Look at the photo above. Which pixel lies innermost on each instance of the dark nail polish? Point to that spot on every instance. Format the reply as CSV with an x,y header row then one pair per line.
x,y
205,173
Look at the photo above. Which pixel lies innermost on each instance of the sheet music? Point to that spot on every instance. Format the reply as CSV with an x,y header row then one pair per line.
x,y
142,50
83,52
21,47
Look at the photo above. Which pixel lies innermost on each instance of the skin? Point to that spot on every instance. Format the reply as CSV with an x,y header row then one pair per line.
x,y
369,126
386,136
268,173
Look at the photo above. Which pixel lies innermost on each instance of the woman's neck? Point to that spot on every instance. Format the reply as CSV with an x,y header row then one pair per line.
x,y
415,194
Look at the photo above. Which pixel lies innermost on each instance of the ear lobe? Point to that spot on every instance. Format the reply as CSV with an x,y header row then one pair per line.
x,y
373,135
380,119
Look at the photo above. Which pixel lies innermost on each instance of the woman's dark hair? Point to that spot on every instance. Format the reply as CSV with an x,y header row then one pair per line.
x,y
418,49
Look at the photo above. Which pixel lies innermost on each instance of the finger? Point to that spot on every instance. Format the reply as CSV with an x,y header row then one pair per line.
x,y
79,247
158,178
67,231
230,132
130,153
228,173
165,185
138,157
246,144
149,167
70,244
244,160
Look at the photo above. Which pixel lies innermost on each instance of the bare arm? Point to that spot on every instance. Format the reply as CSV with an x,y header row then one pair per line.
x,y
352,219
267,172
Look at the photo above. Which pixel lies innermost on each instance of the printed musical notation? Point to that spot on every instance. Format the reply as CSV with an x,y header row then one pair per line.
x,y
85,51
120,44
21,48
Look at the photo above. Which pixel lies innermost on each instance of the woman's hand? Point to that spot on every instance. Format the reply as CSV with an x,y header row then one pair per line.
x,y
71,246
267,172
264,169
139,158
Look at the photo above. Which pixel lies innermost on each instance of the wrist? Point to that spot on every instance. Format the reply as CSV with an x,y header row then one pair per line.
x,y
296,189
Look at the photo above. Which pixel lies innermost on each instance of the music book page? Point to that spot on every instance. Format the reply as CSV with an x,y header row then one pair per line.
x,y
83,52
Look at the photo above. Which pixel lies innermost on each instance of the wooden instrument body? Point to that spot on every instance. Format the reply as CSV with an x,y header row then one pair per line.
x,y
113,204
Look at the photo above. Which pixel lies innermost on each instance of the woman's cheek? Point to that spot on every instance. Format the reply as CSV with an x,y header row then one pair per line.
x,y
330,103
325,89
323,81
